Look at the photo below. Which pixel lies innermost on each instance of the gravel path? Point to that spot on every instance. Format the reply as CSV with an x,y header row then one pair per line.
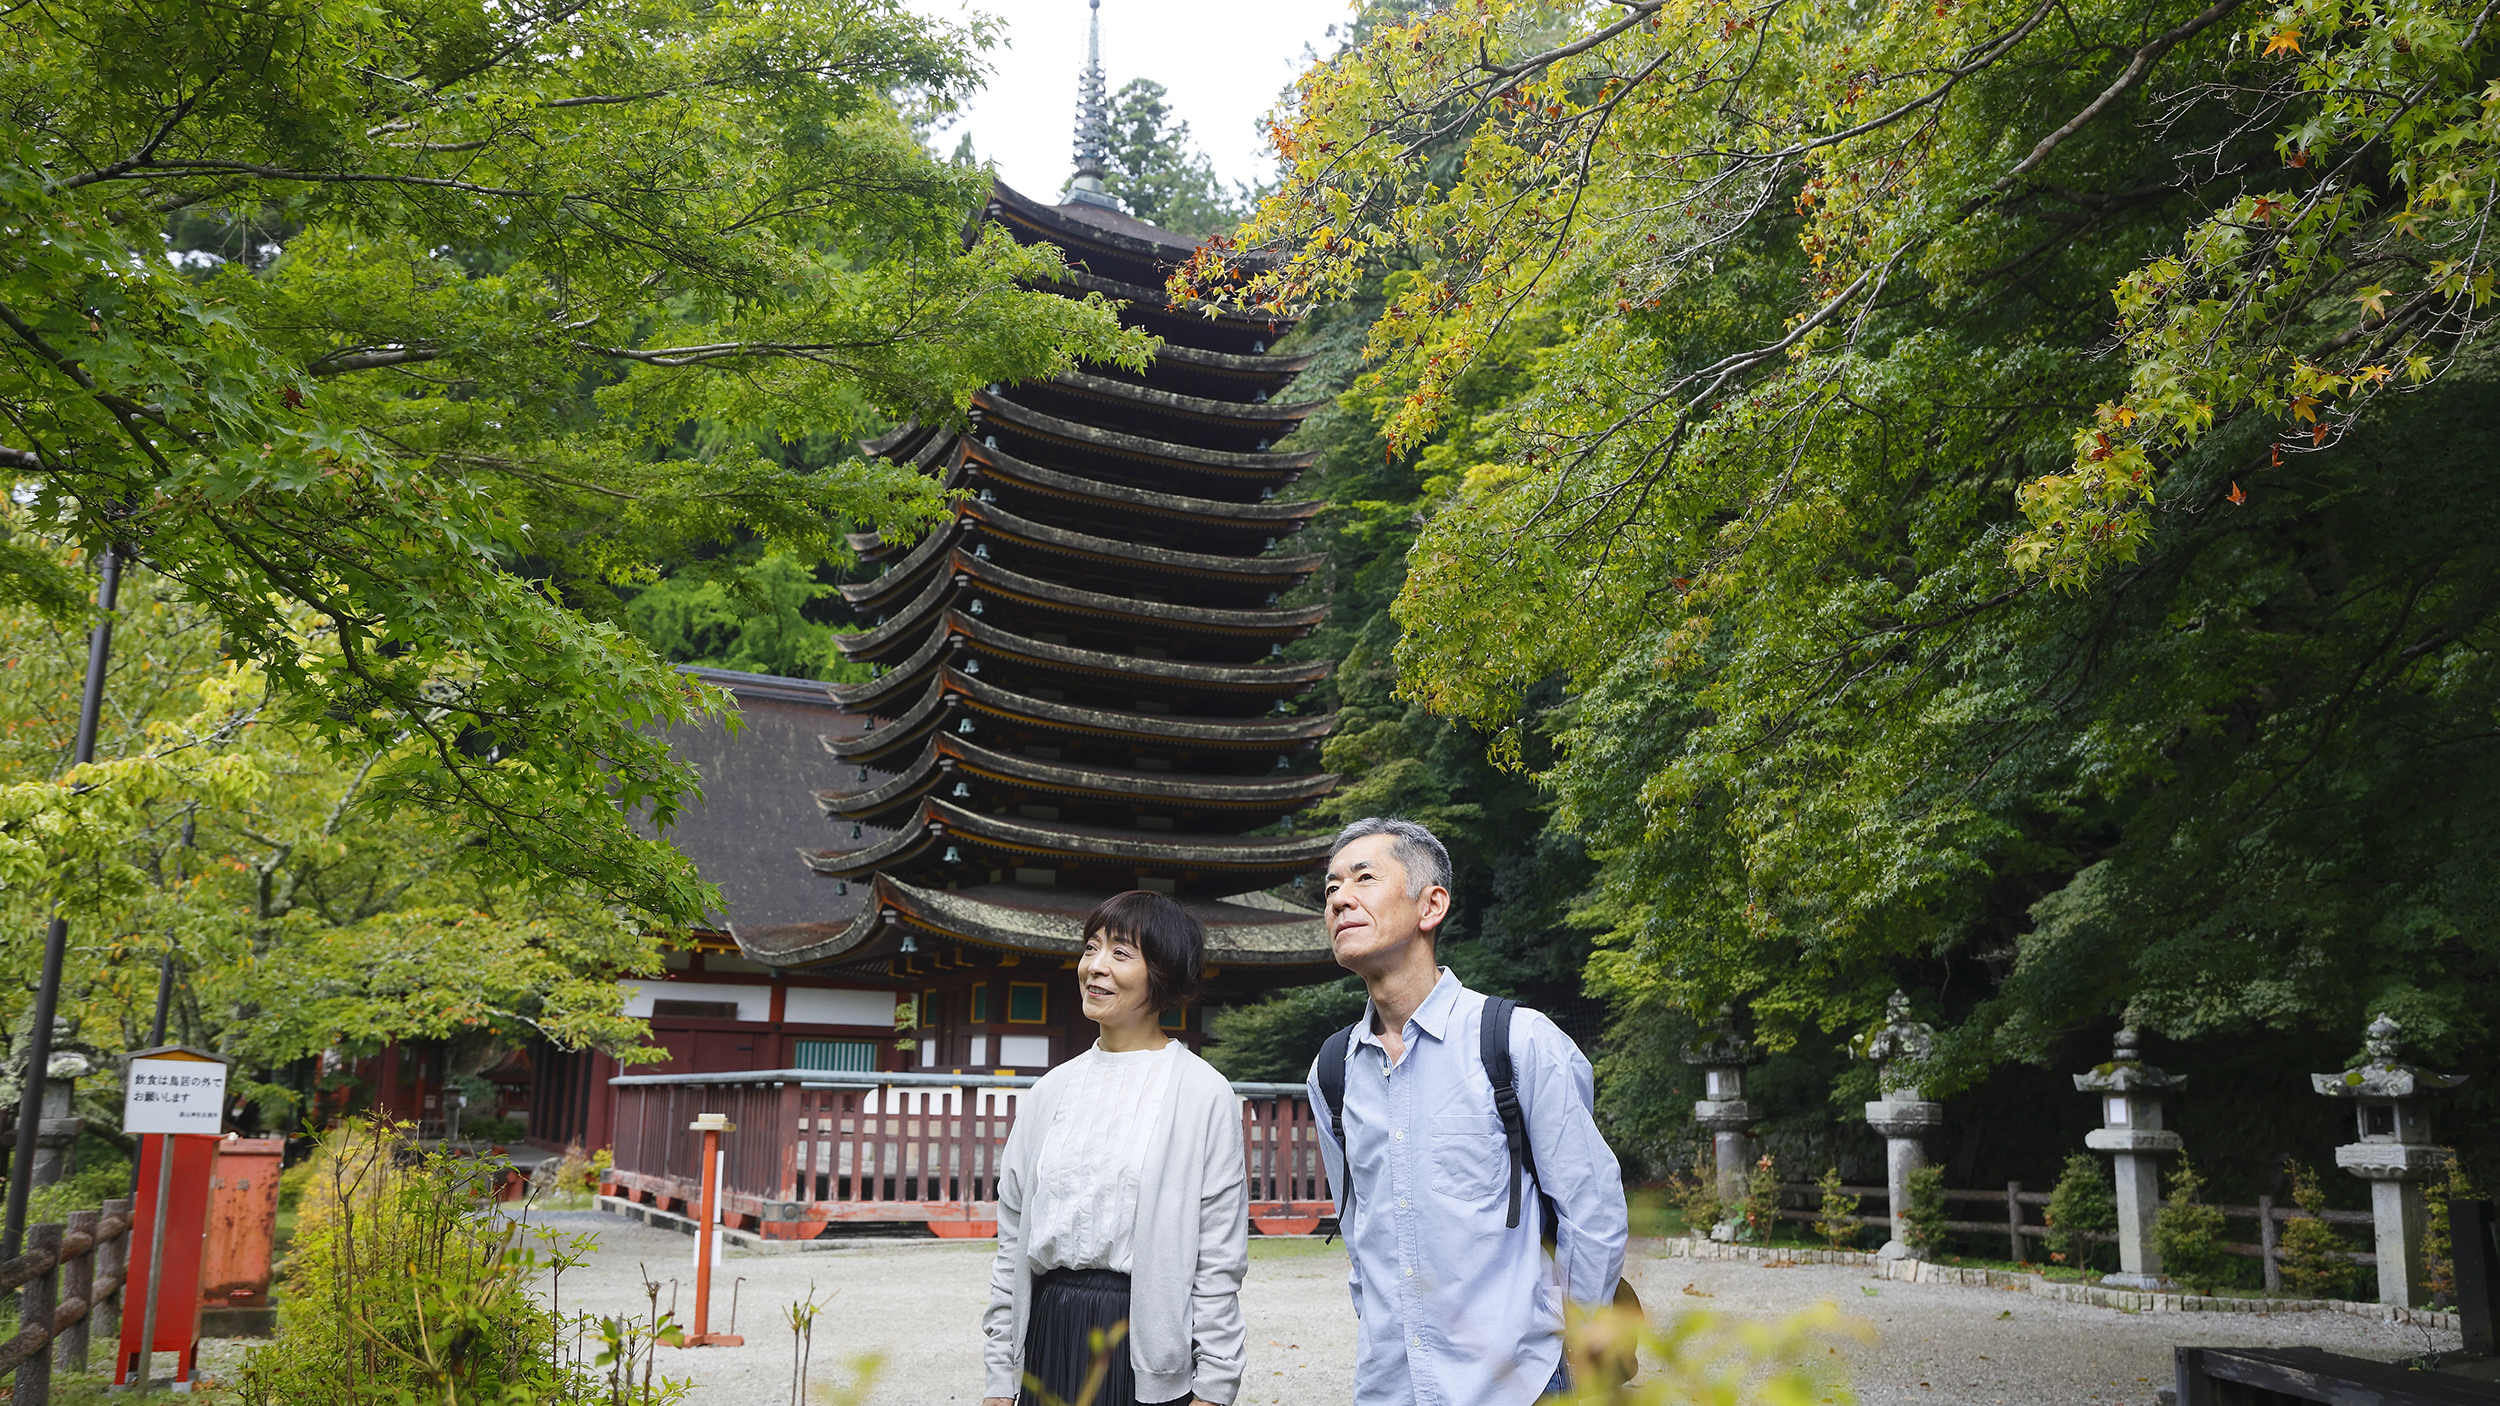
x,y
914,1306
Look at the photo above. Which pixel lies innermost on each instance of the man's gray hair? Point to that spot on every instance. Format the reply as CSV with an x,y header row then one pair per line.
x,y
1425,859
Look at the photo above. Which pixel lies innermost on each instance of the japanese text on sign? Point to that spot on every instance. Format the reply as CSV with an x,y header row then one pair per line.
x,y
174,1096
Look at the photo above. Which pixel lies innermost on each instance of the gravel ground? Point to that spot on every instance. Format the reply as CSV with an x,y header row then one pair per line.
x,y
914,1306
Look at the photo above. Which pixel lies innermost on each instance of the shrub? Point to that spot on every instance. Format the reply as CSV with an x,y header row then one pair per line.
x,y
403,1286
83,1190
2188,1233
1695,1194
571,1180
1759,1213
2439,1263
2082,1203
493,1129
2310,1253
1838,1227
1922,1221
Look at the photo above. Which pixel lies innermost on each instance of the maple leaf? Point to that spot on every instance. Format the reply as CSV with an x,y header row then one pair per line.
x,y
2373,300
2318,432
2305,408
2237,495
2285,41
2266,207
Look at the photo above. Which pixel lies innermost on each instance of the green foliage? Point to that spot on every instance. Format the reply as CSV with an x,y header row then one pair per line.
x,y
1274,1040
2188,1234
1694,1192
398,1290
756,623
2083,1203
2439,1255
94,1181
2312,1257
217,829
523,258
1838,1227
1922,1221
1757,1215
1740,337
1157,171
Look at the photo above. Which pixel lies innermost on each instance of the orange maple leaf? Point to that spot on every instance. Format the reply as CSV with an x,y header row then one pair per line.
x,y
2236,495
2285,41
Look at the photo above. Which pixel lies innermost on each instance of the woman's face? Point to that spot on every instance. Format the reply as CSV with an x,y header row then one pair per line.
x,y
1112,976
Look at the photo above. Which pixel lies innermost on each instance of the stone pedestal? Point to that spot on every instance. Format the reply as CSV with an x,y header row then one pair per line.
x,y
1722,1053
2131,1130
1902,1117
57,1135
2395,1153
1903,1122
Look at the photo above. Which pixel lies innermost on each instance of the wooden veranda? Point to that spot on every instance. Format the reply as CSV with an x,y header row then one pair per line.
x,y
814,1149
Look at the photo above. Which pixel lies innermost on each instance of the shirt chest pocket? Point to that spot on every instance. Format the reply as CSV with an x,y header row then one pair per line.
x,y
1470,1159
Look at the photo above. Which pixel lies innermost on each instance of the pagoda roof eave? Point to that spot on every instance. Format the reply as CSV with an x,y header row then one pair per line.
x,y
1221,462
1226,315
1200,564
906,728
900,579
1250,412
1272,731
903,575
1024,918
1290,515
1004,644
1016,837
1257,677
945,753
1282,622
1050,218
1237,361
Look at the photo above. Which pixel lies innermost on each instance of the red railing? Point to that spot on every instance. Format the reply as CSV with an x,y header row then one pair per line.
x,y
816,1148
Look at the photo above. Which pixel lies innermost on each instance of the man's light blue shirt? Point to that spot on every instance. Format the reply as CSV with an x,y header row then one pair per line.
x,y
1456,1308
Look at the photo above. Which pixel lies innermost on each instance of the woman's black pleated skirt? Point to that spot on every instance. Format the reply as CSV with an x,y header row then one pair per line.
x,y
1067,1325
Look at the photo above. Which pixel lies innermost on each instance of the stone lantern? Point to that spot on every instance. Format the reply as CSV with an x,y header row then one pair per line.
x,y
1902,1117
1722,1053
2131,1127
2395,1154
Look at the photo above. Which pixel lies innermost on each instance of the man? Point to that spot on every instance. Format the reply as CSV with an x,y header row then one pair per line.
x,y
1458,1306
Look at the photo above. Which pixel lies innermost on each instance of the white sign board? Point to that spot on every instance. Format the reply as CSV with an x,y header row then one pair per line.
x,y
174,1096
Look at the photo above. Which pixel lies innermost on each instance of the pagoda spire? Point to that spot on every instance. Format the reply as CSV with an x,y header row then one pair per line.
x,y
1093,123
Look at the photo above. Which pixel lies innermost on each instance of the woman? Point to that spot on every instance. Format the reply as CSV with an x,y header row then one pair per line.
x,y
1121,1194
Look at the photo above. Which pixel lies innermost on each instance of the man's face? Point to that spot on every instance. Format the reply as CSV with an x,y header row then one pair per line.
x,y
1372,921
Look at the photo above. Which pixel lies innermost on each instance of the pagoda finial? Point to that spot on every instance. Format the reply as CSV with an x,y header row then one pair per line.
x,y
1093,123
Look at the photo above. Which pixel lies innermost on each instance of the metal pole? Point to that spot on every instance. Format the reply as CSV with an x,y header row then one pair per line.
x,y
56,942
156,1259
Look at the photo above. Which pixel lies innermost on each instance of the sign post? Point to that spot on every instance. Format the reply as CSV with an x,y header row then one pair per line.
x,y
711,1125
174,1097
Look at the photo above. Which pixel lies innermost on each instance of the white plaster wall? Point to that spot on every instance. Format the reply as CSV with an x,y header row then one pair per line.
x,y
754,1002
814,1005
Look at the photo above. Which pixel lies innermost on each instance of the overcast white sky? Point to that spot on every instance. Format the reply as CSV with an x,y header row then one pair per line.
x,y
1224,60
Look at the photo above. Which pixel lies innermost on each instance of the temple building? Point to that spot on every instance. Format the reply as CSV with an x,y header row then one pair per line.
x,y
1081,688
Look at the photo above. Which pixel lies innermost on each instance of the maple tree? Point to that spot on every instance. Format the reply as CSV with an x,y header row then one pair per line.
x,y
213,835
1998,481
495,268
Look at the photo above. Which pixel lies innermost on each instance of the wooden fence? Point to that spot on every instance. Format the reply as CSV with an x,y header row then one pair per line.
x,y
65,1273
816,1148
2018,1228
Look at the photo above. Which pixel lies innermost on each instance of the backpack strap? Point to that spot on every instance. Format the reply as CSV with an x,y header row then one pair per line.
x,y
1494,1050
1332,1058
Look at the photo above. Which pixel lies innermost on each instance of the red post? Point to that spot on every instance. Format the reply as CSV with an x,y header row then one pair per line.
x,y
711,1125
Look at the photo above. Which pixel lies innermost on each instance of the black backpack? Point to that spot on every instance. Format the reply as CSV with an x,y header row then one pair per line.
x,y
1494,1050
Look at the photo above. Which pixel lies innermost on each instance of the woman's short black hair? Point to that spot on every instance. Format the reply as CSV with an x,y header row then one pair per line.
x,y
1173,943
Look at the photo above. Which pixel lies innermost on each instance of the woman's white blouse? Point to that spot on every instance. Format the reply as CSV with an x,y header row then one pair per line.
x,y
1082,1211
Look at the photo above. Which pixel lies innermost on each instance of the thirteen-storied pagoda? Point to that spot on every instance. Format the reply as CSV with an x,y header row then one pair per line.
x,y
1081,684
